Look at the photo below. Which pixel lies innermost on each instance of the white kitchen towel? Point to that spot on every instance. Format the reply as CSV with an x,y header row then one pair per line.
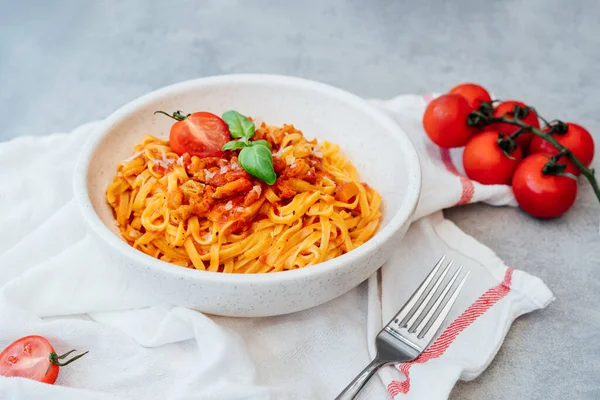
x,y
55,282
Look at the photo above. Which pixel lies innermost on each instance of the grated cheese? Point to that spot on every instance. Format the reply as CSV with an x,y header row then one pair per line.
x,y
281,151
317,151
208,174
133,156
165,163
328,179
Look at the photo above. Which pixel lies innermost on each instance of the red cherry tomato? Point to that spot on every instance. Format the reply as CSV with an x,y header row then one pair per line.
x,y
200,134
33,357
577,139
485,162
474,93
542,196
445,121
507,108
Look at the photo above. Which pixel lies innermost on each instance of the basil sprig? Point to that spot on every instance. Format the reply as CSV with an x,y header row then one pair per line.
x,y
255,157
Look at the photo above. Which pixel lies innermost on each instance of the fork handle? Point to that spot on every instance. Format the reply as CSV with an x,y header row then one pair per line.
x,y
359,382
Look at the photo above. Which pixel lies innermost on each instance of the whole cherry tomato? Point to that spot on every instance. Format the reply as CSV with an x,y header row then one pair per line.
x,y
541,195
575,137
506,108
474,93
33,357
200,134
445,121
491,159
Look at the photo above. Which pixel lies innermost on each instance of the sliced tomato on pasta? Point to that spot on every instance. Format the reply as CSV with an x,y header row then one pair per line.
x,y
200,134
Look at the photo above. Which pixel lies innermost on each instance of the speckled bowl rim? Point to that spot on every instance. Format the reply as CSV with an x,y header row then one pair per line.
x,y
404,214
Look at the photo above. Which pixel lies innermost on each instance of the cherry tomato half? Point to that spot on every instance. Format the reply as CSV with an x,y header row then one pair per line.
x,y
200,134
577,139
542,196
474,93
485,162
33,357
445,121
506,108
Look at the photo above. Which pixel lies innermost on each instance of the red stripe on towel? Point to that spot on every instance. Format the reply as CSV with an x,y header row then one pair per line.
x,y
441,344
467,185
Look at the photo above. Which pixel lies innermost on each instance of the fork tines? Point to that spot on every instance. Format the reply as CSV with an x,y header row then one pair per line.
x,y
427,308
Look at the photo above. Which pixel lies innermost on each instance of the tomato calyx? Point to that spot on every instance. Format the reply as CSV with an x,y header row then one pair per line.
x,y
553,168
477,119
177,115
520,112
558,127
487,107
55,359
507,144
484,112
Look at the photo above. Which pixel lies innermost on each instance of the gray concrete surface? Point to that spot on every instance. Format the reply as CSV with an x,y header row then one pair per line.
x,y
64,62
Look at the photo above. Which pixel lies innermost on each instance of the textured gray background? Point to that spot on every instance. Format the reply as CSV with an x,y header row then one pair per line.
x,y
63,63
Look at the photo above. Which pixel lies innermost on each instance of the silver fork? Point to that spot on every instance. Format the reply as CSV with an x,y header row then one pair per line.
x,y
409,333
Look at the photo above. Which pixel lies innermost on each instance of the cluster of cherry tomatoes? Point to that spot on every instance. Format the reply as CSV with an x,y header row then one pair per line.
x,y
499,152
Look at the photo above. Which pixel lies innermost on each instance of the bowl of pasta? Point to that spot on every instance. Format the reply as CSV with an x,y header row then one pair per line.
x,y
248,195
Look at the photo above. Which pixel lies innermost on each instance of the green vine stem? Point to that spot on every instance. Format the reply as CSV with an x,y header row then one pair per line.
x,y
478,118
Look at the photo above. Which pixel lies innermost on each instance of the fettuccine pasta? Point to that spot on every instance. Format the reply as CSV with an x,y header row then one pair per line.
x,y
210,214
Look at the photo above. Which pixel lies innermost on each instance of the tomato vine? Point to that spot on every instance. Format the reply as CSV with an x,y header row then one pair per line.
x,y
483,117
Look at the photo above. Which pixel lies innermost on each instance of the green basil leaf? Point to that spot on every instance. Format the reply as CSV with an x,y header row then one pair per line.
x,y
258,162
234,145
239,125
261,142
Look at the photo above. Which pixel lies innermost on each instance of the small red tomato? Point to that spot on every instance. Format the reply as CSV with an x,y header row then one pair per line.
x,y
474,93
445,121
485,161
200,134
33,357
576,138
540,195
506,108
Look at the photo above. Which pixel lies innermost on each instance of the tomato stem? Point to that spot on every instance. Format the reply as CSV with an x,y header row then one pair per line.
x,y
544,120
481,119
177,115
55,359
518,133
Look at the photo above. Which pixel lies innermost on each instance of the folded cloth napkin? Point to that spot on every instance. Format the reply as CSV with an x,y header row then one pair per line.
x,y
55,282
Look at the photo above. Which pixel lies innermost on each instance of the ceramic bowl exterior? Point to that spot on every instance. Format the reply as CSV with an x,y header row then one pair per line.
x,y
376,145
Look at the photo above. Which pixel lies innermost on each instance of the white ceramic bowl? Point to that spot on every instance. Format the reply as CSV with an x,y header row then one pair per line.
x,y
381,151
